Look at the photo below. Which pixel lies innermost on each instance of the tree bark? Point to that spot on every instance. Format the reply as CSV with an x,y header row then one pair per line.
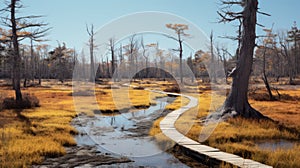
x,y
212,64
91,45
112,50
236,104
265,78
180,58
16,54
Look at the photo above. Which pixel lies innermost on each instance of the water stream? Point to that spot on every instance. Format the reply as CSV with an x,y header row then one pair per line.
x,y
126,135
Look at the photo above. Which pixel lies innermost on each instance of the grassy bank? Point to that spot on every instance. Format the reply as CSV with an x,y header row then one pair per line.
x,y
238,135
46,130
42,131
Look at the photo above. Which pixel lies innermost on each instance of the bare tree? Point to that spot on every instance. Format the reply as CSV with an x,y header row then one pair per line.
x,y
179,30
294,38
20,28
267,47
92,46
285,47
131,52
113,60
145,56
212,58
236,103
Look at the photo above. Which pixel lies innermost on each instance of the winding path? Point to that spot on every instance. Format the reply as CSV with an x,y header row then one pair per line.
x,y
214,155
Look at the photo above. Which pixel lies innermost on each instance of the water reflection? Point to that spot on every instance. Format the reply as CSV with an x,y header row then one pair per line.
x,y
111,134
276,144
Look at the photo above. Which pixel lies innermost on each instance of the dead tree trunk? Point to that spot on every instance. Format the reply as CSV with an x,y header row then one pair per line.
x,y
113,61
265,78
212,63
16,54
92,46
236,104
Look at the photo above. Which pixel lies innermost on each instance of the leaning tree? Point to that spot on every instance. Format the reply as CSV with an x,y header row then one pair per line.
x,y
236,103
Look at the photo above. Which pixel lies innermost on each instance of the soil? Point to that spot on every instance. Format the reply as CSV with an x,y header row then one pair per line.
x,y
81,156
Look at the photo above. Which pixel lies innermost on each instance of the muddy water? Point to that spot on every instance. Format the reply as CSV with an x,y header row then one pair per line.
x,y
126,135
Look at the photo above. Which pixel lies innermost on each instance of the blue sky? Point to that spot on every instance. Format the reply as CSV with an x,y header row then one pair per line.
x,y
68,18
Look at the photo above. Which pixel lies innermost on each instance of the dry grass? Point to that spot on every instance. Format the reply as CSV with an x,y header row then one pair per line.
x,y
238,135
285,112
123,99
177,103
46,129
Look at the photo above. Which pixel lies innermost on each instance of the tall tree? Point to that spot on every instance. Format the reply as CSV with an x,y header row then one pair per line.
x,y
62,60
20,28
236,103
294,38
91,44
285,47
131,52
113,60
267,50
179,30
145,56
212,58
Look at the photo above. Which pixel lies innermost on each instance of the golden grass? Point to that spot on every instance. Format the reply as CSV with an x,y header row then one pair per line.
x,y
48,131
123,98
238,135
46,134
177,103
285,112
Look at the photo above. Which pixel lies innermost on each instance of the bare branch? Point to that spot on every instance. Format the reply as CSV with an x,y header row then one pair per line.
x,y
229,16
258,24
232,2
30,25
29,17
171,37
263,13
229,37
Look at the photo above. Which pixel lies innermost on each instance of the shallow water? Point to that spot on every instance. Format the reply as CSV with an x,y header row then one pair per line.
x,y
112,134
276,144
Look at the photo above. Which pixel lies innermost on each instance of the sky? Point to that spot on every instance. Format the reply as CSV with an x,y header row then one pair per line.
x,y
68,19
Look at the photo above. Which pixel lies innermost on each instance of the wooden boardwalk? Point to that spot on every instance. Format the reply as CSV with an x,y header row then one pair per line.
x,y
195,148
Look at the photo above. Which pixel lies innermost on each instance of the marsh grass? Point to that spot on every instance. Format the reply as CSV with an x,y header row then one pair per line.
x,y
48,129
238,135
45,133
123,99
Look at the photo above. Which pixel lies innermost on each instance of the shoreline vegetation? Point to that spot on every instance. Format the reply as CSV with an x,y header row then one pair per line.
x,y
45,131
238,135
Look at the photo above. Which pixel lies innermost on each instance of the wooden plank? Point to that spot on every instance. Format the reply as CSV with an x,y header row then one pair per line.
x,y
167,127
201,148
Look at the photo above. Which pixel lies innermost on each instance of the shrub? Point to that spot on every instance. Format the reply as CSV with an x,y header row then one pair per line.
x,y
173,89
28,101
139,88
